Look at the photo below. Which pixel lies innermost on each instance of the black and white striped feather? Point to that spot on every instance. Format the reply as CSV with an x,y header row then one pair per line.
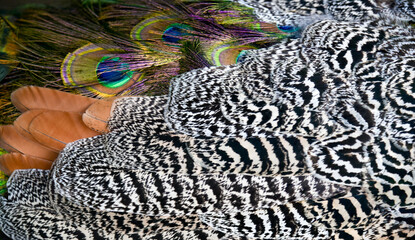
x,y
312,138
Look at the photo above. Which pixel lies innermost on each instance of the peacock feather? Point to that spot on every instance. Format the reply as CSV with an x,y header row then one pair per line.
x,y
139,51
3,177
309,138
104,71
8,48
3,183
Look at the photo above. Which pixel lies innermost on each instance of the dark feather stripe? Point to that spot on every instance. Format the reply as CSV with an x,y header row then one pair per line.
x,y
266,148
198,193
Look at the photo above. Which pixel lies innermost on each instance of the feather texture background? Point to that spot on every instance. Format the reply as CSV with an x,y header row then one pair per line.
x,y
311,138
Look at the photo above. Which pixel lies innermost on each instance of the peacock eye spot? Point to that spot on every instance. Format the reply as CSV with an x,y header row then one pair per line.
x,y
112,72
287,28
175,32
240,56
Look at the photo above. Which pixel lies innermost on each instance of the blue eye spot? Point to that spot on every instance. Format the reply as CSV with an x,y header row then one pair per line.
x,y
175,31
112,72
287,28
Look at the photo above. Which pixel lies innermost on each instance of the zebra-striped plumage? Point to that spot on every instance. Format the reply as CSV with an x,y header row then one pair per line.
x,y
312,138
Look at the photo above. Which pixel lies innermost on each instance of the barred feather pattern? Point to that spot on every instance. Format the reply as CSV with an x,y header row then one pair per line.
x,y
311,138
27,216
283,155
161,194
285,12
356,79
302,12
312,218
320,86
167,168
92,186
95,210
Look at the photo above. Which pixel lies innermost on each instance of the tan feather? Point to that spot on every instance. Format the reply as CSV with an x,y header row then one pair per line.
x,y
22,123
55,129
97,115
31,97
13,161
12,141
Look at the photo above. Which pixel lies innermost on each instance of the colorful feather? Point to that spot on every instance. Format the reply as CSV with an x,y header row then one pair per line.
x,y
8,48
3,183
131,48
161,33
3,177
102,71
311,138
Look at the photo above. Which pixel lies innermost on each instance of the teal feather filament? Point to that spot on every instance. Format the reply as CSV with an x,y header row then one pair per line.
x,y
4,70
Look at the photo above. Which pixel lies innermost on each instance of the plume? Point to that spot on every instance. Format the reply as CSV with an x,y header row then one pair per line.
x,y
50,119
310,138
130,48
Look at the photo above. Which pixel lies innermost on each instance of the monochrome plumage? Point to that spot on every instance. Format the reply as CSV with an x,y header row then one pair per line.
x,y
311,138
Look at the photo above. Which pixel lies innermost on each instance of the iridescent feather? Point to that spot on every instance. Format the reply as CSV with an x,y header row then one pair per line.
x,y
102,71
8,49
134,47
